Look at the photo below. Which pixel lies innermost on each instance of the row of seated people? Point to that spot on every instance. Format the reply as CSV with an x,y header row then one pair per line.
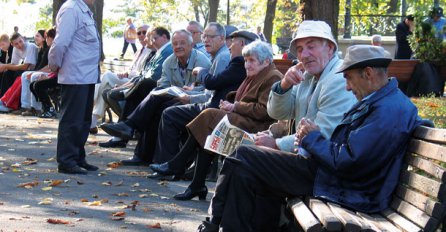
x,y
25,77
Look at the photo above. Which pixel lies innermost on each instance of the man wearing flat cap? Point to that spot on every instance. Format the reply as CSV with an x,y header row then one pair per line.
x,y
357,167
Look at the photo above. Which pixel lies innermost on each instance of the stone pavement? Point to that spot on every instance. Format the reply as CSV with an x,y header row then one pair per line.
x,y
33,193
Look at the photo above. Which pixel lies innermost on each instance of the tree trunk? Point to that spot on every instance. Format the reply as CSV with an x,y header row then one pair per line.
x,y
197,13
97,10
269,19
324,10
213,9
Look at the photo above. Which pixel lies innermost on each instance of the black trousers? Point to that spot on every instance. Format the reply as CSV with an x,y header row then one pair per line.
x,y
252,172
136,95
40,90
172,128
112,97
7,79
76,109
145,119
126,45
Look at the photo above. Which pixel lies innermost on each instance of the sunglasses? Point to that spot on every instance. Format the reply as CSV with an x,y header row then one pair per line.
x,y
141,32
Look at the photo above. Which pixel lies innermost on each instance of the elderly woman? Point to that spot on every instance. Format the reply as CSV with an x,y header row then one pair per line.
x,y
248,111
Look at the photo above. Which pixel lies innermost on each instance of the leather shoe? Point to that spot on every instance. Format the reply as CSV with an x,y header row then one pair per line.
x,y
119,129
207,226
191,193
135,161
88,166
72,170
94,130
164,169
114,144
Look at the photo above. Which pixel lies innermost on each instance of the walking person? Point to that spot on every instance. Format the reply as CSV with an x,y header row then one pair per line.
x,y
75,54
130,37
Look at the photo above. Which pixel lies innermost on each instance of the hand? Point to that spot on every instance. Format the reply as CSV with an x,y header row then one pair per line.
x,y
304,128
196,70
226,106
264,139
2,67
184,99
189,88
294,76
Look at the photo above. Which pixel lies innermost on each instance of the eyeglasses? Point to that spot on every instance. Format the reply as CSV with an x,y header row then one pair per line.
x,y
141,32
204,36
194,32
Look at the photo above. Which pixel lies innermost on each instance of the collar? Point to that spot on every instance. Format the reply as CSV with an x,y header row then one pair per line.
x,y
162,48
83,6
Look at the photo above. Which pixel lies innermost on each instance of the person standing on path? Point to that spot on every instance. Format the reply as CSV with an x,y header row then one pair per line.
x,y
75,55
130,37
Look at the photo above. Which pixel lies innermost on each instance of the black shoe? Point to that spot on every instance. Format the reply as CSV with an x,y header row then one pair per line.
x,y
119,129
164,169
72,170
189,194
88,166
114,144
94,130
135,161
207,226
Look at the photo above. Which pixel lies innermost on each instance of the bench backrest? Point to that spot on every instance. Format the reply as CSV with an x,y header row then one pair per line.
x,y
419,200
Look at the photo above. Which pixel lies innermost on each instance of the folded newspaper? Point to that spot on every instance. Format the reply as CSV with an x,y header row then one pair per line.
x,y
225,138
173,91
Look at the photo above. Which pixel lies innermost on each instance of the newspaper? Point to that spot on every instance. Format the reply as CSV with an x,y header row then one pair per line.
x,y
173,91
225,138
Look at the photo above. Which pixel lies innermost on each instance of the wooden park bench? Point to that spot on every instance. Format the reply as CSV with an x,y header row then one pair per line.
x,y
418,202
116,66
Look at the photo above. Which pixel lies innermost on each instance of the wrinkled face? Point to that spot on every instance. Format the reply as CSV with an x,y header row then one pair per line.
x,y
357,83
314,53
236,47
181,46
38,39
253,66
19,43
196,33
141,32
212,41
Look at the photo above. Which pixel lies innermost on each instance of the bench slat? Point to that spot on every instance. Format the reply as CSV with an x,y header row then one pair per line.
x,y
402,69
423,184
431,134
379,222
400,221
428,150
414,214
303,215
427,166
347,217
324,214
421,201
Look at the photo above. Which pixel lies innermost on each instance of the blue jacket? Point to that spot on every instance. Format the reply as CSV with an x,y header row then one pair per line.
x,y
360,165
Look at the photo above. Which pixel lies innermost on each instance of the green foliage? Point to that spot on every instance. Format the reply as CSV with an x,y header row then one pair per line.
x,y
45,18
432,108
425,45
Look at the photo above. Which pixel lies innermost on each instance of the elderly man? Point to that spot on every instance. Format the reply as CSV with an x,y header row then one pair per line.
x,y
358,150
75,54
196,30
310,89
110,80
177,71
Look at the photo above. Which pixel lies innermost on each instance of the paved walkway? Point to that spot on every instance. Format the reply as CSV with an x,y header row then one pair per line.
x,y
86,203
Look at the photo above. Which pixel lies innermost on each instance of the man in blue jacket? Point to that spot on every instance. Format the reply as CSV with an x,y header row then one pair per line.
x,y
357,167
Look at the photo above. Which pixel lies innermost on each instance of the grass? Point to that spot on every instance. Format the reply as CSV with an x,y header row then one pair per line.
x,y
432,108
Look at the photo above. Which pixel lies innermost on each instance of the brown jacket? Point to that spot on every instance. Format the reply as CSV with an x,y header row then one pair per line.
x,y
249,113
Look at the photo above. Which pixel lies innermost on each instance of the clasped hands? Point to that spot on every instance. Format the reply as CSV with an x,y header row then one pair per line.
x,y
304,127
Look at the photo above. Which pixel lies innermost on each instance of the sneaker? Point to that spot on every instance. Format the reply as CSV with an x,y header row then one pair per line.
x,y
51,113
4,109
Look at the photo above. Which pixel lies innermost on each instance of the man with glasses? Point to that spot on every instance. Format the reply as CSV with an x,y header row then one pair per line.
x,y
110,80
196,30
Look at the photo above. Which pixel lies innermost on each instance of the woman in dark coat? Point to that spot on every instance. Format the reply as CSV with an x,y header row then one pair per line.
x,y
248,112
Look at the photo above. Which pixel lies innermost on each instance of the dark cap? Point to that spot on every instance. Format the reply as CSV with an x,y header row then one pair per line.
x,y
437,11
229,29
244,34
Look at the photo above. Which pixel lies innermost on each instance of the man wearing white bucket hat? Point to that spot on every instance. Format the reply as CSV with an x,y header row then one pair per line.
x,y
311,89
357,167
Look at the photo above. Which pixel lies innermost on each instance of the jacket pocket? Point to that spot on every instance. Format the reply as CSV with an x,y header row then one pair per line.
x,y
88,31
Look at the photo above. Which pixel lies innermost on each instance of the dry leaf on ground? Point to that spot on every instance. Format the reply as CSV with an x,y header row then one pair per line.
x,y
155,226
56,183
118,214
57,221
29,161
114,164
28,185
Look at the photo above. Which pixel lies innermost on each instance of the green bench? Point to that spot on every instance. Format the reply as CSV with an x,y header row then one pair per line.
x,y
418,203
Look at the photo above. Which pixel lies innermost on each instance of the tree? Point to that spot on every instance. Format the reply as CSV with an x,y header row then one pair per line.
x,y
324,10
213,9
269,19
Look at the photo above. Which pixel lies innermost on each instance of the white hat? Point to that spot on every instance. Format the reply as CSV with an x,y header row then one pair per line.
x,y
361,56
310,28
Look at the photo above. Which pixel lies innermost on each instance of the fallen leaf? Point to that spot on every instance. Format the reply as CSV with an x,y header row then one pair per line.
x,y
29,184
25,206
143,195
94,203
154,195
29,161
164,198
56,183
105,200
51,159
119,183
133,173
118,214
122,207
135,185
121,194
107,183
155,226
145,190
84,200
47,188
114,164
163,183
16,165
134,202
46,201
57,221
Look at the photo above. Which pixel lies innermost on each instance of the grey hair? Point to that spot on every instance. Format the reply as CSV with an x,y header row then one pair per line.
x,y
261,50
195,23
188,34
382,71
220,29
376,39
